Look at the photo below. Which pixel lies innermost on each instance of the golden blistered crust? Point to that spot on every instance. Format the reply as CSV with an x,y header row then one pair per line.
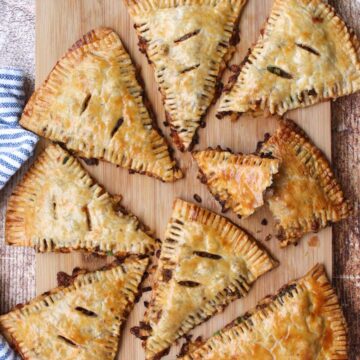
x,y
306,196
303,321
206,262
237,181
59,207
189,44
305,55
81,321
93,103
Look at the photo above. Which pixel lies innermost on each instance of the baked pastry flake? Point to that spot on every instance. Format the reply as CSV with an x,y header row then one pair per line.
x,y
303,321
306,196
93,103
59,207
237,181
79,321
189,44
305,55
206,262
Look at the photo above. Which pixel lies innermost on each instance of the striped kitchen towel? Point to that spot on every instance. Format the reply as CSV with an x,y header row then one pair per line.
x,y
16,144
6,353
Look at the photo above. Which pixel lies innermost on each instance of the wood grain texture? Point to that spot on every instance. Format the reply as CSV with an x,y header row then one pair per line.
x,y
346,161
59,24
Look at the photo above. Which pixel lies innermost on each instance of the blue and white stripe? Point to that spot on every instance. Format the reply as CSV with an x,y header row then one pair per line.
x,y
16,144
6,353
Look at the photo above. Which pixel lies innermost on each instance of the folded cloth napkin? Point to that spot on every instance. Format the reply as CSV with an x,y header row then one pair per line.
x,y
6,353
16,144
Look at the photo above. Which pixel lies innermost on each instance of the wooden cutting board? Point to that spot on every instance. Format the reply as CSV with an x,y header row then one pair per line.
x,y
59,24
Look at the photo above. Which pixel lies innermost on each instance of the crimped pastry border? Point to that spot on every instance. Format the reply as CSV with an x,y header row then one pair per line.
x,y
257,259
190,139
93,40
270,304
23,198
249,159
320,168
79,279
300,100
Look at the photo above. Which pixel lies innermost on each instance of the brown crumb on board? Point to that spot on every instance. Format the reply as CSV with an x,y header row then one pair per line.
x,y
268,237
313,241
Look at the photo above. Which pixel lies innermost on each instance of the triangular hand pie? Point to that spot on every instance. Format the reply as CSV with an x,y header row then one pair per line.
x,y
189,44
306,196
79,321
237,181
304,55
93,103
58,207
206,262
303,321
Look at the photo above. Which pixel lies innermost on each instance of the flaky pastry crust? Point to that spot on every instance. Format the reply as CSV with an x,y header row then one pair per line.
x,y
189,44
305,55
237,181
303,321
93,103
80,321
306,196
59,207
206,262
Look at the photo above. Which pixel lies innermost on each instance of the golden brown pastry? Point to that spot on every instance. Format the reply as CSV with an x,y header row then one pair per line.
x,y
306,196
304,55
58,207
303,321
206,262
93,104
189,44
80,320
237,181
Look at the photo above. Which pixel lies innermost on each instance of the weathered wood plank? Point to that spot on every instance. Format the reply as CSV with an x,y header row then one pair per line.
x,y
346,160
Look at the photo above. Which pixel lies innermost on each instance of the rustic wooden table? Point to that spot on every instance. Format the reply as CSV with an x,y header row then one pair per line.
x,y
346,161
17,269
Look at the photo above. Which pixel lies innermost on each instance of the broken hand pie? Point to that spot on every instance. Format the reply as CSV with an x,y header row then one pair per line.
x,y
303,321
304,55
58,207
93,104
189,44
237,181
79,321
206,262
306,196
